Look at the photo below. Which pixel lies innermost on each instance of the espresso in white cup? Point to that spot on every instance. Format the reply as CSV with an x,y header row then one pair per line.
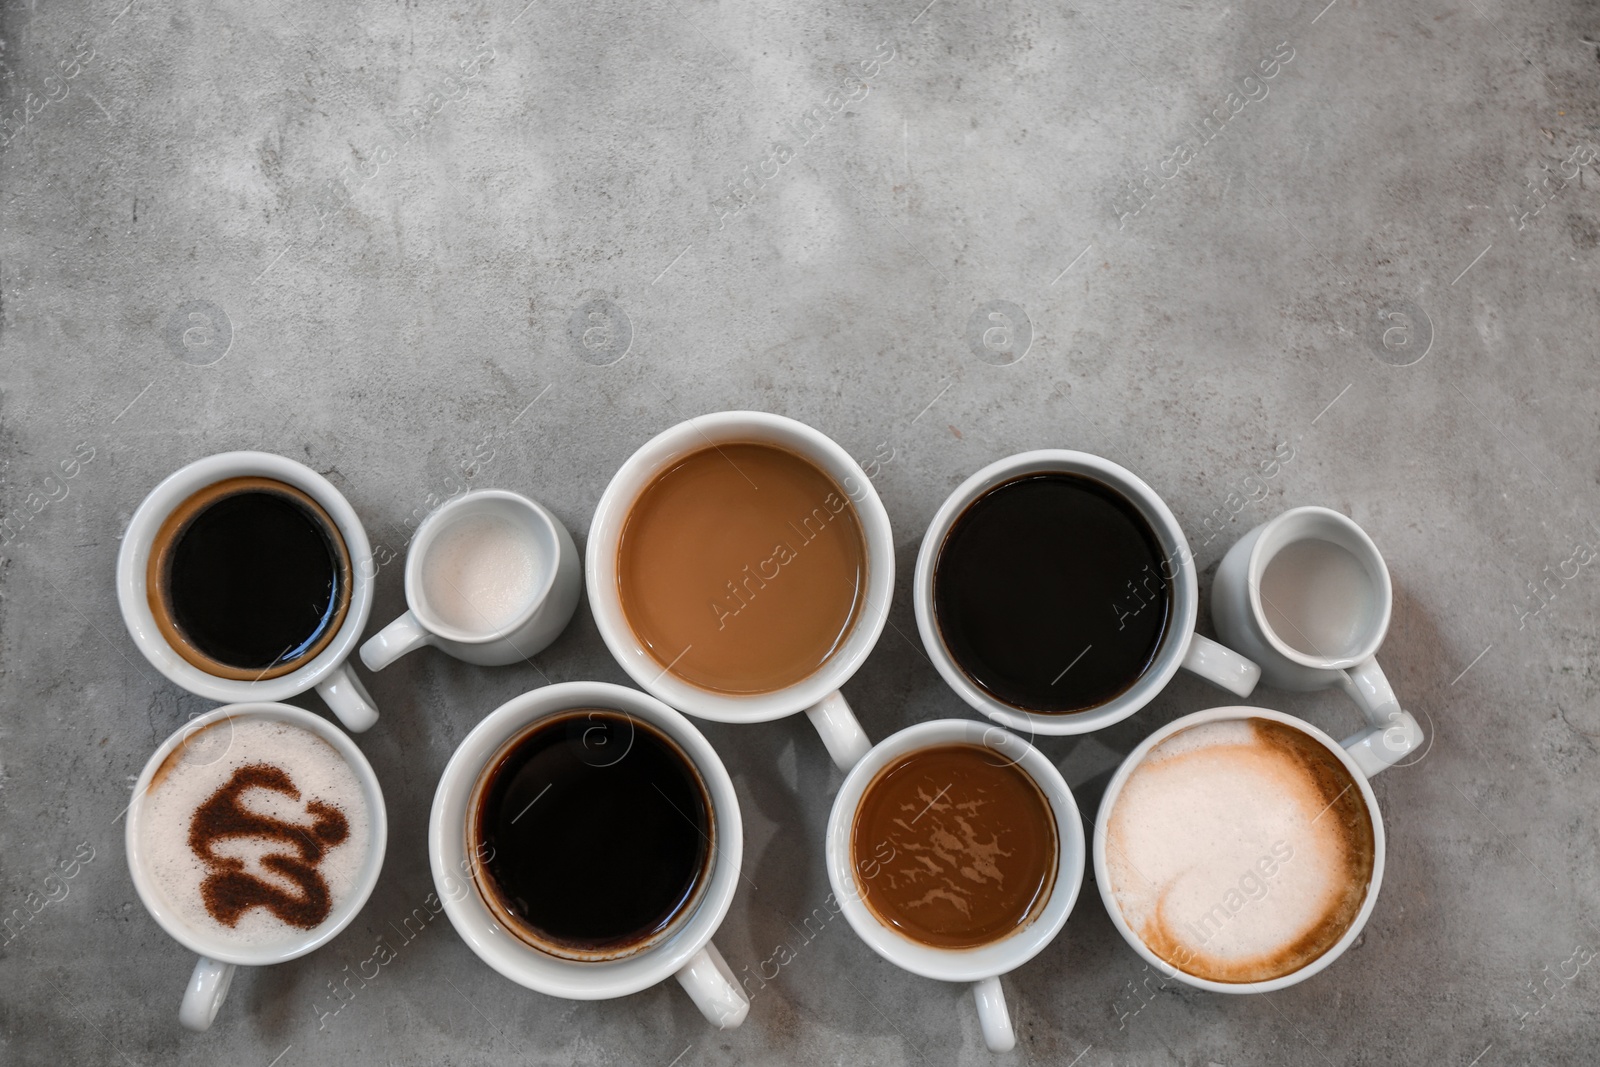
x,y
521,942
1102,557
322,663
256,834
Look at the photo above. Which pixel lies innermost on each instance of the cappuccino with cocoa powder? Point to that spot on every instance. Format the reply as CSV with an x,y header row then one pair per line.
x,y
1240,850
742,568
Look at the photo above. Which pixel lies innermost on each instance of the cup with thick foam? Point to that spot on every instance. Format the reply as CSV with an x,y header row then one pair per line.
x,y
612,923
1240,849
740,567
246,576
956,851
1055,592
1308,597
491,578
256,834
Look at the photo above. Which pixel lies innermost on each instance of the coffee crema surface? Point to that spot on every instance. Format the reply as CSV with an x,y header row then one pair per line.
x,y
954,846
256,831
1049,593
1240,850
742,568
249,578
594,832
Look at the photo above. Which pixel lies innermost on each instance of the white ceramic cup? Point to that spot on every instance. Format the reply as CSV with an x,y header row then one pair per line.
x,y
817,695
1180,646
551,602
1359,773
685,953
1352,619
334,679
213,973
981,966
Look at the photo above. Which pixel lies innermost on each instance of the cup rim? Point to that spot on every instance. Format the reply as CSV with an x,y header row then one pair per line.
x,y
997,957
134,554
611,513
1374,564
436,522
1113,790
1169,534
502,949
201,943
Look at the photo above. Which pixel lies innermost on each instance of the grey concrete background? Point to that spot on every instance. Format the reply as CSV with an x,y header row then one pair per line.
x,y
387,216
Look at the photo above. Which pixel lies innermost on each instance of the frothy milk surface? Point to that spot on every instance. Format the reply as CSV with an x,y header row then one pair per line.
x,y
481,572
260,822
1240,850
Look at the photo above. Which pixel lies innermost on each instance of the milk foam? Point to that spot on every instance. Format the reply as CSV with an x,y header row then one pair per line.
x,y
1226,857
480,573
203,765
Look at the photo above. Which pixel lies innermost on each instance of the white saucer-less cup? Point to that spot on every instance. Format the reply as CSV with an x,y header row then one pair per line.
x,y
328,673
817,695
685,953
551,602
983,966
1180,646
1347,754
213,973
1353,621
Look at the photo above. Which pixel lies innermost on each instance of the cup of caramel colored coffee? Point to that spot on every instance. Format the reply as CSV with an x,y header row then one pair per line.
x,y
740,567
956,851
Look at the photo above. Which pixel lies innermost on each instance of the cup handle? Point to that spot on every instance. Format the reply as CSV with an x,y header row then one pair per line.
x,y
840,731
993,1016
712,987
348,698
403,635
208,988
1221,666
1391,734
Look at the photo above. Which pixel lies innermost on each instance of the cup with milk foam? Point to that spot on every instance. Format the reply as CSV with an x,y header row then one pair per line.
x,y
1308,597
491,578
255,835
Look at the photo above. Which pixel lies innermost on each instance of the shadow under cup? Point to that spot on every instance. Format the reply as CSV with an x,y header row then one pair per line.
x,y
249,578
591,835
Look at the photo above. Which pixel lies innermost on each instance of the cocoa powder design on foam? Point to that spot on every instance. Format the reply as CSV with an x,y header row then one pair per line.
x,y
229,891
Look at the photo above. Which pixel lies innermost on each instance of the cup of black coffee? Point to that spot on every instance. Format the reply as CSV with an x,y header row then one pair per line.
x,y
586,842
1056,593
247,577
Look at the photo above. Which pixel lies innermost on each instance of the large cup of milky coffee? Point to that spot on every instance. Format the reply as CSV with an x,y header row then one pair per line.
x,y
255,835
740,567
1239,849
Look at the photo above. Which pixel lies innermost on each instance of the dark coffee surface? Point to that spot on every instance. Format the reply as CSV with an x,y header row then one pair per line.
x,y
597,831
1048,593
954,846
253,579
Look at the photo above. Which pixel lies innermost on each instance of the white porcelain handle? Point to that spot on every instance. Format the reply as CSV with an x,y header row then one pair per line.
x,y
993,1016
711,985
403,635
208,987
1391,734
847,742
1221,666
349,699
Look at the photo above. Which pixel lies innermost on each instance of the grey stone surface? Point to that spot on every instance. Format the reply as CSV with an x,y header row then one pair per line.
x,y
403,224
